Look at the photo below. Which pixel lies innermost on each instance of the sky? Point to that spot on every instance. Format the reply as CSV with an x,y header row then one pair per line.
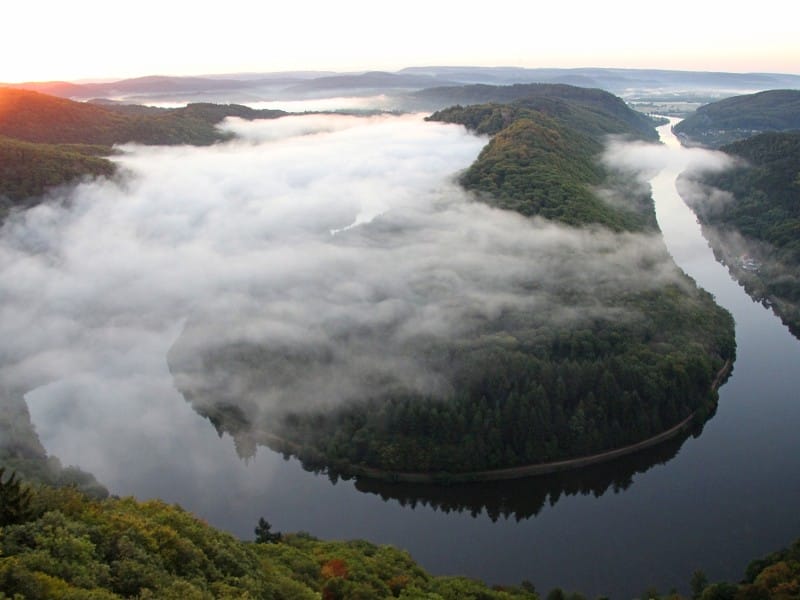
x,y
93,39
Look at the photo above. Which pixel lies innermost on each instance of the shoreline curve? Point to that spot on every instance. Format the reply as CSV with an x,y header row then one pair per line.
x,y
531,470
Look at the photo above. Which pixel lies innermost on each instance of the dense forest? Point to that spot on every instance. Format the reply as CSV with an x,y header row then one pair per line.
x,y
524,386
59,543
740,117
761,220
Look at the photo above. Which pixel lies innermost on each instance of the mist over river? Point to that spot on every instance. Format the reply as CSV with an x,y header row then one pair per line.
x,y
118,271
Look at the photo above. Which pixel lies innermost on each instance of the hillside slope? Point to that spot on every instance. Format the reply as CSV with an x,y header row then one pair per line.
x,y
46,141
35,117
600,108
543,160
63,545
68,546
739,117
27,170
756,232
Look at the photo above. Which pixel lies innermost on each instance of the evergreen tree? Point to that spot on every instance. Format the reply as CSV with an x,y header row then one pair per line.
x,y
264,535
15,501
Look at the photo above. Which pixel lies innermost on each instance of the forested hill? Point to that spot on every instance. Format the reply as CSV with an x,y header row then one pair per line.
x,y
544,160
35,117
765,213
596,109
740,117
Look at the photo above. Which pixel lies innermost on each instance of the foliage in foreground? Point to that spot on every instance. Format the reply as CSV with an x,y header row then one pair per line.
x,y
75,547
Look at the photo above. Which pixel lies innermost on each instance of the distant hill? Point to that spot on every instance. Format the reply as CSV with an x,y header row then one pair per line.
x,y
614,80
294,84
36,117
369,80
40,118
739,117
47,141
155,84
585,108
757,232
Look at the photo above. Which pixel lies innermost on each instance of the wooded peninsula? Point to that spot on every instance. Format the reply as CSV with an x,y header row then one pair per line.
x,y
524,388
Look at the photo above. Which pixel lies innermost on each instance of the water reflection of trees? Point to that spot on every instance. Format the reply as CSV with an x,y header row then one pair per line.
x,y
766,279
517,498
229,387
524,498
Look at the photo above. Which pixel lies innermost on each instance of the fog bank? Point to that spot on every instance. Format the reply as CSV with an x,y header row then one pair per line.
x,y
315,236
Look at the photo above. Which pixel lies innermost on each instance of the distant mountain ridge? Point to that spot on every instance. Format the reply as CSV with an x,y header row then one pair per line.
x,y
283,85
371,79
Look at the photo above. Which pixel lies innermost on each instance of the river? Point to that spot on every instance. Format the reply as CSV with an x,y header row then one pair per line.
x,y
711,501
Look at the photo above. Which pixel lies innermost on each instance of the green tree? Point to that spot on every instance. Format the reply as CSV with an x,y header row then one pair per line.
x,y
264,535
698,583
15,501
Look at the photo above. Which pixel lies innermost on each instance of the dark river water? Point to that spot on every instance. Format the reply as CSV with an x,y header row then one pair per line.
x,y
712,500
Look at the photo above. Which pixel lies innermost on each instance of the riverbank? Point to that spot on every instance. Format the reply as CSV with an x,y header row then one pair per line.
x,y
522,471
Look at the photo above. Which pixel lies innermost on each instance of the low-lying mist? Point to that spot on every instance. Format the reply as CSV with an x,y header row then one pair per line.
x,y
322,236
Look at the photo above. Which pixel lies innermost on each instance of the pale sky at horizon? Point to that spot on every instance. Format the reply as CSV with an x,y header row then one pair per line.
x,y
86,39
